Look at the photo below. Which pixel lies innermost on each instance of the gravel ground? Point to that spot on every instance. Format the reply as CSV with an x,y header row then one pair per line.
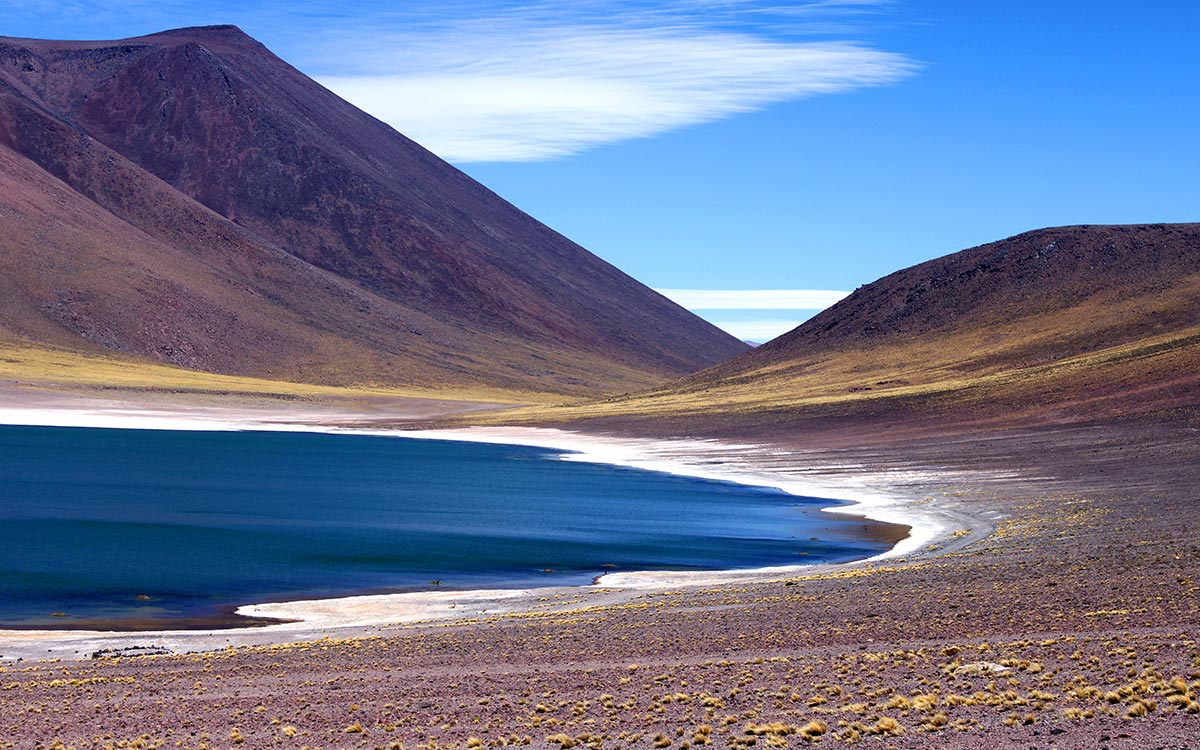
x,y
1074,624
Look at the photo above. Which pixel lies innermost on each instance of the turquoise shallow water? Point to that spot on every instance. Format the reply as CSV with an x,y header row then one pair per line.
x,y
144,528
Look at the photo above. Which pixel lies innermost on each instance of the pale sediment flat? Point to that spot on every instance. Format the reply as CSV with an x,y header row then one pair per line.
x,y
144,409
892,497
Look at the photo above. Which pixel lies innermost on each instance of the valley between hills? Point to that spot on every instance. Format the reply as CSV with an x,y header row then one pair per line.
x,y
1031,407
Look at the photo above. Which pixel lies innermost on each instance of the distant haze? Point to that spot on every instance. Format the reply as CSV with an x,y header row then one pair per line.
x,y
739,311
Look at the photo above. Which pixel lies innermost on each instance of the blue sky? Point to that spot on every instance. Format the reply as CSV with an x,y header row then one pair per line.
x,y
755,145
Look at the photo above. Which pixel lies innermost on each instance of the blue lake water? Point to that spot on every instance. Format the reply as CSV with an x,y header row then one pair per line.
x,y
144,528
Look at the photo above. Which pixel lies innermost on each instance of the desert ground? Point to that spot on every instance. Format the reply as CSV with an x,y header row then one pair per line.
x,y
1056,604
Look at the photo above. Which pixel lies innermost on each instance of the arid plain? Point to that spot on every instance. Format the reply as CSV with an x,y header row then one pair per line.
x,y
1057,608
1031,407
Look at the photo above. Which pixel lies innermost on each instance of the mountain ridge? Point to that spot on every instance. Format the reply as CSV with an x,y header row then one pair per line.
x,y
201,136
1057,325
998,283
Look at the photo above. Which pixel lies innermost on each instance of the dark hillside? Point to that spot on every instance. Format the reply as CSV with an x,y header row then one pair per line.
x,y
1135,270
1057,325
205,141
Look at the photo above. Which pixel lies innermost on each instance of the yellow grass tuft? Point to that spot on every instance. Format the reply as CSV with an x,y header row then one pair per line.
x,y
887,726
813,730
51,367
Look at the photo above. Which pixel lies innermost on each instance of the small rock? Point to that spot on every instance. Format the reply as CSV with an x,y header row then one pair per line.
x,y
982,667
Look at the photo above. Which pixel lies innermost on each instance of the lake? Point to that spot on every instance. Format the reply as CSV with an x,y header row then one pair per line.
x,y
137,529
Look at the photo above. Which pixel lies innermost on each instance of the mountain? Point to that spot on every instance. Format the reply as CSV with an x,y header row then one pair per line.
x,y
188,197
1061,325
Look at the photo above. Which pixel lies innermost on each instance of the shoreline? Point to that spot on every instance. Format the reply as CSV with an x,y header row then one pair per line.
x,y
874,495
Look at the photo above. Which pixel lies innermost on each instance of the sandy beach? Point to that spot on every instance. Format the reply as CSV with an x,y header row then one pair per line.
x,y
1046,598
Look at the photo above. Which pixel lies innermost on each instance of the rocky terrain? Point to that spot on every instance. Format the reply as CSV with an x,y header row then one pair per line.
x,y
1072,621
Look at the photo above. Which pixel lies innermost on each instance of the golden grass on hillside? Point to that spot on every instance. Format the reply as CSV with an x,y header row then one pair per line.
x,y
871,380
57,368
1119,351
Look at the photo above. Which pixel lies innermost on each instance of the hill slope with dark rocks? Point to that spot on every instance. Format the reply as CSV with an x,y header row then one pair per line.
x,y
1053,326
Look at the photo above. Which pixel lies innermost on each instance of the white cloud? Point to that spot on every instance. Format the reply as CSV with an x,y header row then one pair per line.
x,y
754,299
520,80
758,331
512,91
801,303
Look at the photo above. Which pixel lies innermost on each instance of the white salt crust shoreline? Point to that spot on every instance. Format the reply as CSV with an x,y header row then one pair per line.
x,y
875,496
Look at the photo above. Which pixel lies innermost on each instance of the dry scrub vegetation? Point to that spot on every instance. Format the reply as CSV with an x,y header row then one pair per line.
x,y
1074,625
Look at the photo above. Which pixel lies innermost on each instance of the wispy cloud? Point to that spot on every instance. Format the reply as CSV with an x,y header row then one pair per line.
x,y
759,331
736,310
754,299
534,84
519,80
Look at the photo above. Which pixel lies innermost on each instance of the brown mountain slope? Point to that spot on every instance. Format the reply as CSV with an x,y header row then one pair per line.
x,y
1056,325
190,197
